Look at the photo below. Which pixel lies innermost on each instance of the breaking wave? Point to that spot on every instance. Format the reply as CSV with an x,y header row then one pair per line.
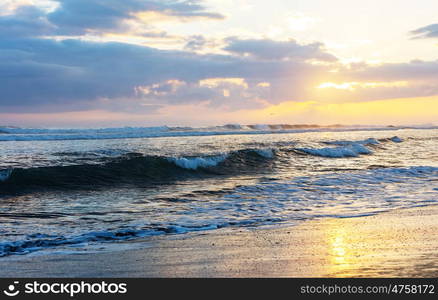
x,y
134,168
144,170
198,162
352,150
347,148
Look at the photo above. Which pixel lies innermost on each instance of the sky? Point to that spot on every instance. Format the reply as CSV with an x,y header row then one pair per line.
x,y
105,63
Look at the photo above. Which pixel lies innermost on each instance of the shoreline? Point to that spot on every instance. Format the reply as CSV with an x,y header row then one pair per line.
x,y
398,243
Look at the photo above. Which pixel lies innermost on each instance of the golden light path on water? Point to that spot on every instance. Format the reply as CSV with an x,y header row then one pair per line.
x,y
388,245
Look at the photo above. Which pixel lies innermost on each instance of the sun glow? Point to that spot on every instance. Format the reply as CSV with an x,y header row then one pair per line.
x,y
351,86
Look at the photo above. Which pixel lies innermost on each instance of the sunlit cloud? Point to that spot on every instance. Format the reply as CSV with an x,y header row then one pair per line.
x,y
214,82
264,84
351,86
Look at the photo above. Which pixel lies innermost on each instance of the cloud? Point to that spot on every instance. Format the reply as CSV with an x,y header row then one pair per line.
x,y
278,50
76,17
430,31
227,93
363,82
26,21
74,74
80,17
413,70
196,42
43,75
42,72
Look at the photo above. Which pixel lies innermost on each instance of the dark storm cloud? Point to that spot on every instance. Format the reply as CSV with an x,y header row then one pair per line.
x,y
270,49
430,31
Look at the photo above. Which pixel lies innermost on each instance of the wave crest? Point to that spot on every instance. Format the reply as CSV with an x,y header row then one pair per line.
x,y
370,141
194,163
347,148
352,150
134,168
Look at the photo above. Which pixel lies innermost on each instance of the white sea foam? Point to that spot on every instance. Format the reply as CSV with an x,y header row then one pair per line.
x,y
5,174
352,150
194,163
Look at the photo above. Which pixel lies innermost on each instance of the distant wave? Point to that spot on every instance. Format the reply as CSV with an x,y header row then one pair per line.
x,y
370,141
396,139
352,150
35,134
346,148
133,130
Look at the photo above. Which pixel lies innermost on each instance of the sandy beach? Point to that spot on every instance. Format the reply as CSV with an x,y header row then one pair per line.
x,y
400,243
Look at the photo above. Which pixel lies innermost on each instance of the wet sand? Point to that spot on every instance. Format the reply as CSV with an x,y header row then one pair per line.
x,y
401,243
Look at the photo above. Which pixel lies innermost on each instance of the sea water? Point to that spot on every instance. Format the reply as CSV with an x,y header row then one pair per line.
x,y
70,187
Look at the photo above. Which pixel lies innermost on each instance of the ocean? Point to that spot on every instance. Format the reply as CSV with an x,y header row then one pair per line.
x,y
71,189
